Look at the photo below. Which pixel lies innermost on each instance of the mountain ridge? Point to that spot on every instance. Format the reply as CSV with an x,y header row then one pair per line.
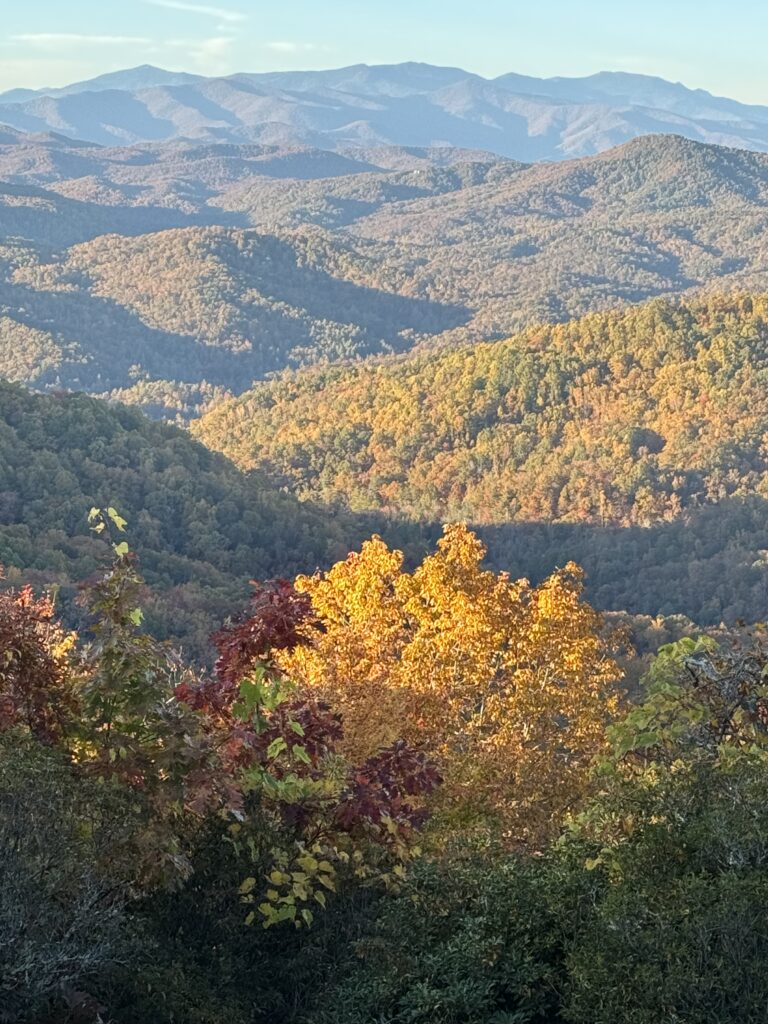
x,y
187,268
517,116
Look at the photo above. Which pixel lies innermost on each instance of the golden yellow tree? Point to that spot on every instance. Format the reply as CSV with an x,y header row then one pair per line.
x,y
508,686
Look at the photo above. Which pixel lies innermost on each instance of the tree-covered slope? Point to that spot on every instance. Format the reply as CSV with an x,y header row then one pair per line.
x,y
201,528
633,442
213,305
658,215
355,264
213,273
625,418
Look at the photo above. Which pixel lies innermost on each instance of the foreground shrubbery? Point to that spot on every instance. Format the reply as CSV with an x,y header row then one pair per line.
x,y
369,774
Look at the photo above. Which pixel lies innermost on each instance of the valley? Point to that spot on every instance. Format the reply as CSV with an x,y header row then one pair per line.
x,y
219,269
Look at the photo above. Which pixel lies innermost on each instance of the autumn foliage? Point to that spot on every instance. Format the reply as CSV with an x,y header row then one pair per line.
x,y
273,622
350,706
352,722
508,686
37,684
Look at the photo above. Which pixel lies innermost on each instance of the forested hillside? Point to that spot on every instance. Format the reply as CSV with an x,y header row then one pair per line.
x,y
638,435
201,528
657,215
162,275
621,418
201,305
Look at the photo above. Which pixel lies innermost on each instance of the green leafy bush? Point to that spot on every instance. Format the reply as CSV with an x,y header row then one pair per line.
x,y
62,900
665,903
668,867
467,941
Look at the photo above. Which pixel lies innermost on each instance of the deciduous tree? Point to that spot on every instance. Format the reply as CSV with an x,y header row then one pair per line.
x,y
509,686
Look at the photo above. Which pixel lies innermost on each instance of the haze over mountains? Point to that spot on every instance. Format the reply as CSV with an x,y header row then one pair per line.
x,y
410,104
159,273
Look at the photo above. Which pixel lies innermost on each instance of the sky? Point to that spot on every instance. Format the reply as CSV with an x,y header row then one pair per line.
x,y
719,46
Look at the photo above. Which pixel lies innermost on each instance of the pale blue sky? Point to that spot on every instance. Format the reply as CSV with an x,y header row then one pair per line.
x,y
718,46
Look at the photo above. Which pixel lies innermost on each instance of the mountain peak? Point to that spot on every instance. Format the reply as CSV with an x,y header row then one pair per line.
x,y
409,104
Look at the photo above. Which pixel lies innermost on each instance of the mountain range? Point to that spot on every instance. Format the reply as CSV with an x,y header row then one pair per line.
x,y
165,273
412,104
378,323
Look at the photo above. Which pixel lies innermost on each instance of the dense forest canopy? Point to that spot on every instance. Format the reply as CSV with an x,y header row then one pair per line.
x,y
606,440
623,419
203,529
162,275
621,430
212,304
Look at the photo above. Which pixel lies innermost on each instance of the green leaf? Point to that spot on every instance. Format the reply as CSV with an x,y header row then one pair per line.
x,y
122,549
300,754
646,739
276,747
136,616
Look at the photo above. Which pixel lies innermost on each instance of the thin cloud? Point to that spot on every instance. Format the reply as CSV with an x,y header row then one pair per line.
x,y
46,39
208,54
288,47
222,13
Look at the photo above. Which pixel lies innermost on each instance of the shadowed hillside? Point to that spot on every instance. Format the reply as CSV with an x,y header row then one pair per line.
x,y
201,528
335,268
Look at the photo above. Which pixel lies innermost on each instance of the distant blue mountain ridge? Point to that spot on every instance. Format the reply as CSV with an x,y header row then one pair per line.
x,y
411,104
